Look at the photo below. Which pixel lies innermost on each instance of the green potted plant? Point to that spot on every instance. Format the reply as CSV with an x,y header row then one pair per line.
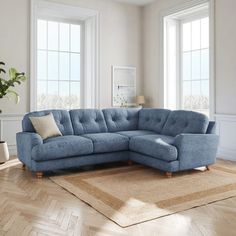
x,y
6,89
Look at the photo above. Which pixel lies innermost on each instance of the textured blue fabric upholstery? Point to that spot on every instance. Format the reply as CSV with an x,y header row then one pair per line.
x,y
211,129
76,162
25,143
172,166
195,150
61,147
108,142
152,119
87,121
163,139
62,118
121,119
134,133
185,122
156,146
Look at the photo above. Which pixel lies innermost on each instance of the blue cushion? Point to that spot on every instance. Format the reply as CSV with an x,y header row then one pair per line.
x,y
108,142
121,119
62,119
185,122
157,146
61,147
86,121
152,119
211,129
134,133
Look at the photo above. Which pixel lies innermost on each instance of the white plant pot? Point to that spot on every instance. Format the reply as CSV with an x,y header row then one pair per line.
x,y
4,153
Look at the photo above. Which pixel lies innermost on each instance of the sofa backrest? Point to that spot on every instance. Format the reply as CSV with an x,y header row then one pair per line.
x,y
152,119
62,118
211,129
181,121
121,119
85,121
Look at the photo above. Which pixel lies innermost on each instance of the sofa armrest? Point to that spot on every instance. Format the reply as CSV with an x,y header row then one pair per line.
x,y
195,150
25,142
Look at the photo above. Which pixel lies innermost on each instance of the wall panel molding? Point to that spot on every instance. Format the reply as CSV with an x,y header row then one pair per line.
x,y
10,124
226,128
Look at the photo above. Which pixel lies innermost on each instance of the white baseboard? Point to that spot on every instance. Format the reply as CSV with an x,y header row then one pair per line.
x,y
226,128
10,124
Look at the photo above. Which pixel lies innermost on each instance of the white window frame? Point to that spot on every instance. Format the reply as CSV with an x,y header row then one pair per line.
x,y
81,24
180,82
43,9
174,10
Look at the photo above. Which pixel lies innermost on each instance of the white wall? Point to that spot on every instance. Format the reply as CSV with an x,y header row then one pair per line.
x,y
120,43
225,65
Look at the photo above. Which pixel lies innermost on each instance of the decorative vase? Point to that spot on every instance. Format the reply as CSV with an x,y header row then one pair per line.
x,y
4,153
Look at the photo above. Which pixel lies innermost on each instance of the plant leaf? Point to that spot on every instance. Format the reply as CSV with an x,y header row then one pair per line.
x,y
15,94
12,73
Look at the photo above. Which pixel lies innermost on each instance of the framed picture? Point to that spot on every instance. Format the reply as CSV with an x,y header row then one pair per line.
x,y
123,86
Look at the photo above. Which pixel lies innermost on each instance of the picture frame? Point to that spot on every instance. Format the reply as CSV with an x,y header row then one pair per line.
x,y
123,86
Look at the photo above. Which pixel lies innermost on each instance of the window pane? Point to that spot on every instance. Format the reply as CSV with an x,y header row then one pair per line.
x,y
205,64
42,88
196,35
205,32
64,95
187,66
64,37
42,65
64,66
53,65
52,35
75,66
196,88
186,36
75,38
75,94
196,69
205,87
42,34
52,87
196,95
187,94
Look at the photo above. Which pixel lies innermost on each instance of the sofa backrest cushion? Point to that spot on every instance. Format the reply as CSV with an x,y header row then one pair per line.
x,y
211,129
185,122
152,119
86,121
62,119
121,119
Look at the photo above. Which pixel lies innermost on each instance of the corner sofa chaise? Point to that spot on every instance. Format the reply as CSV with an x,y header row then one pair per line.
x,y
170,141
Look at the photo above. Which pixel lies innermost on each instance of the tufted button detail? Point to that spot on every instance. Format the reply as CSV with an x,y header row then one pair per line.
x,y
158,120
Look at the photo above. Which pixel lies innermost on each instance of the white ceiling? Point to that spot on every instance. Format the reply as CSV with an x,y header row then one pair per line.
x,y
136,2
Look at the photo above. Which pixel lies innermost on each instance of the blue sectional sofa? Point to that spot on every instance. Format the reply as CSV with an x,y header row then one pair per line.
x,y
170,141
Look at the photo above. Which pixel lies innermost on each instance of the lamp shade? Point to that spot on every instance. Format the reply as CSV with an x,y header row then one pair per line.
x,y
140,100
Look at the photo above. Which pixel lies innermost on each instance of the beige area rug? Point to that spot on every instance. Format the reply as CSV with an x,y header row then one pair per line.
x,y
134,194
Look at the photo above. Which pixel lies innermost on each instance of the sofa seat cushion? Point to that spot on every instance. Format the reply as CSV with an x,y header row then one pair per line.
x,y
134,133
157,146
62,147
108,142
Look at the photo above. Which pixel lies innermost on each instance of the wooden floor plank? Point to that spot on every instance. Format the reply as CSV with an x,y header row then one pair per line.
x,y
29,206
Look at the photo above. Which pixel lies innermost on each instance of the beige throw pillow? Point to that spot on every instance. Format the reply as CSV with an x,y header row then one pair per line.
x,y
45,126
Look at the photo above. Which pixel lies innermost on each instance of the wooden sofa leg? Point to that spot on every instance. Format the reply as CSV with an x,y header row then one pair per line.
x,y
207,168
130,162
168,174
39,175
23,167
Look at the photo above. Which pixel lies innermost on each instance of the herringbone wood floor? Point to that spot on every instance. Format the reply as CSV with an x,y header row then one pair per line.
x,y
29,206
